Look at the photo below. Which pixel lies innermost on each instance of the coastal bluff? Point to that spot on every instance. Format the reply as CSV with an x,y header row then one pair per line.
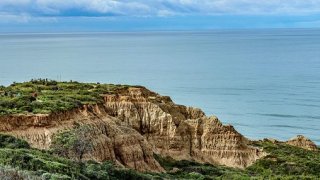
x,y
131,124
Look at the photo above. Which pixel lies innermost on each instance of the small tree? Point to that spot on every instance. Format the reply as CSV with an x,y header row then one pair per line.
x,y
73,144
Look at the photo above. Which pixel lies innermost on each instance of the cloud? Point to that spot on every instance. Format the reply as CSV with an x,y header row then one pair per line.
x,y
28,9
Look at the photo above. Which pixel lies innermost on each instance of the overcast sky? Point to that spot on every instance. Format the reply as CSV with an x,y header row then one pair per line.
x,y
104,15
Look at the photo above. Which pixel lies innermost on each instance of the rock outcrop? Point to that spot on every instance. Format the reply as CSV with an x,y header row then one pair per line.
x,y
181,132
134,123
302,142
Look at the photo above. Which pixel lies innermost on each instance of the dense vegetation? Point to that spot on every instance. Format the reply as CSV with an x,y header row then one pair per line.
x,y
18,160
44,96
286,160
193,170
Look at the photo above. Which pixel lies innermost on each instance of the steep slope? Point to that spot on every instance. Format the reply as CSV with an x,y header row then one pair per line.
x,y
180,132
113,142
133,123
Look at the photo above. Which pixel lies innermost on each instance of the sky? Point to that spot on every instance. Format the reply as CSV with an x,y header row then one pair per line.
x,y
135,15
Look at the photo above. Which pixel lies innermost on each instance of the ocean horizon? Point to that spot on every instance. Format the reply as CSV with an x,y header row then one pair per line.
x,y
264,82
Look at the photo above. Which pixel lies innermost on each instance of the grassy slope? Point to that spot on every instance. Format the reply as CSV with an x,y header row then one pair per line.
x,y
286,160
51,97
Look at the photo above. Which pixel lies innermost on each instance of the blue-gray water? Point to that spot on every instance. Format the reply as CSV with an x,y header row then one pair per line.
x,y
264,82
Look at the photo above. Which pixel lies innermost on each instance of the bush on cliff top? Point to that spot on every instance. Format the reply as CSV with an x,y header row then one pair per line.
x,y
44,96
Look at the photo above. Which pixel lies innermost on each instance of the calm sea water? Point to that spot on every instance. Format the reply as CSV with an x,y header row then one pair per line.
x,y
264,82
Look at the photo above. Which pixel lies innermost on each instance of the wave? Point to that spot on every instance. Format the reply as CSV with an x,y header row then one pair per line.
x,y
287,116
293,127
307,105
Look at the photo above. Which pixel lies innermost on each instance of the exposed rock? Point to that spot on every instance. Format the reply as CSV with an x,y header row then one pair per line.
x,y
302,142
134,123
174,170
111,140
181,132
122,145
274,141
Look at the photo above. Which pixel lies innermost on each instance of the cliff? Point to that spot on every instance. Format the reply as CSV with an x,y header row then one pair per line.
x,y
181,132
133,123
302,142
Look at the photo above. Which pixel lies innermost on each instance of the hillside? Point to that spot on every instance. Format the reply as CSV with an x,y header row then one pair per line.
x,y
70,128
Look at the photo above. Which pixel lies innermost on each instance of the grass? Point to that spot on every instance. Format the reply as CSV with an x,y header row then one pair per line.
x,y
286,160
44,96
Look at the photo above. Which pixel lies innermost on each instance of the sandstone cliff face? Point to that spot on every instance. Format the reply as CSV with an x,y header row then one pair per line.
x,y
181,132
302,142
122,145
111,140
134,123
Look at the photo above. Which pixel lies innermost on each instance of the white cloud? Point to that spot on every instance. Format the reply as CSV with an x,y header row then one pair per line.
x,y
21,18
156,7
251,6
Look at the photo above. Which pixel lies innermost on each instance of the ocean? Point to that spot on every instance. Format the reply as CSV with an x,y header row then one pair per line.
x,y
265,82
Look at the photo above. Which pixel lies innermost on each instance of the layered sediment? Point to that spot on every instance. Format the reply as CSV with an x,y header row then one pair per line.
x,y
181,132
134,123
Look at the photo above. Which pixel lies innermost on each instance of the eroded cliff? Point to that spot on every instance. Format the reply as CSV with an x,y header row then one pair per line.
x,y
133,123
302,142
181,132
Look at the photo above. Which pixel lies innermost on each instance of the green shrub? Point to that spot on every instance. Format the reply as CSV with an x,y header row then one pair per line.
x,y
49,176
7,141
74,143
9,173
286,160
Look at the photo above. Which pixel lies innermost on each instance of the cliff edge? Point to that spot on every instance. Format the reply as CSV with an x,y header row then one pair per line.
x,y
131,124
